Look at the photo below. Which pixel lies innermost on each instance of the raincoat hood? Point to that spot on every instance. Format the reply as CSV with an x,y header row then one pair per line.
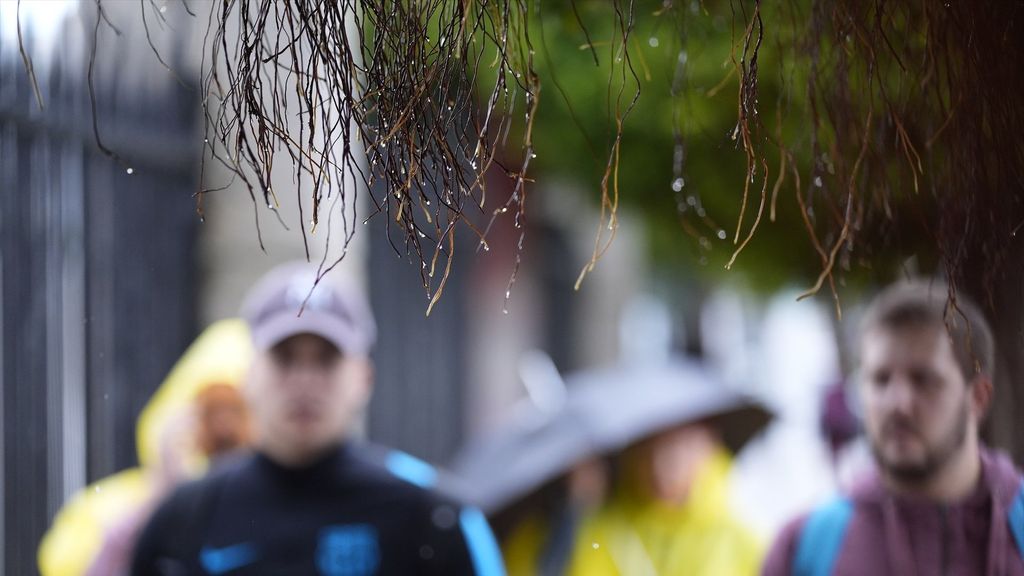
x,y
221,355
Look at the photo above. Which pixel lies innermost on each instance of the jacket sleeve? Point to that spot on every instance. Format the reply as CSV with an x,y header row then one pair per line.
x,y
779,561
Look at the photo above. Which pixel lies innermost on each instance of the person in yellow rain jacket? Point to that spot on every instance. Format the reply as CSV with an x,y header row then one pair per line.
x,y
669,513
196,412
541,540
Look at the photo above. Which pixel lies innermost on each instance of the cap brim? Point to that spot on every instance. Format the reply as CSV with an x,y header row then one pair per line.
x,y
282,326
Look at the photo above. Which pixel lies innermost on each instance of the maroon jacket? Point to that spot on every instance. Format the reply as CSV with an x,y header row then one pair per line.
x,y
897,536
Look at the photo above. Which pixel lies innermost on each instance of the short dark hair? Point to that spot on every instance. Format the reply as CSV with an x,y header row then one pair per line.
x,y
917,304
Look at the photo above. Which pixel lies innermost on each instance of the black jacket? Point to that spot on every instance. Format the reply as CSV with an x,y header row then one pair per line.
x,y
349,514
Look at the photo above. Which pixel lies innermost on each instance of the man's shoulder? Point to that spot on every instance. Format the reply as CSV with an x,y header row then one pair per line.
x,y
821,528
405,475
1003,476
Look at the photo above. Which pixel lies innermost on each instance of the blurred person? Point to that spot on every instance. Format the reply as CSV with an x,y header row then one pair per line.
x,y
535,474
542,532
838,424
940,501
223,420
96,528
669,512
309,501
849,453
217,425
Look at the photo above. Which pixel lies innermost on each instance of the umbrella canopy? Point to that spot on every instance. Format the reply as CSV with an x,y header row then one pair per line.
x,y
623,405
531,449
604,411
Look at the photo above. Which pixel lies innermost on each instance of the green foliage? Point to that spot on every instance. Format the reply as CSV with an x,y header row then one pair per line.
x,y
689,47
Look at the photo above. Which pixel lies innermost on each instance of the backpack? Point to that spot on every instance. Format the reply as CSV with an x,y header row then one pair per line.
x,y
821,537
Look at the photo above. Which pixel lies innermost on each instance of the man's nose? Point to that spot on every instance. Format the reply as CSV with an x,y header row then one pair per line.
x,y
900,395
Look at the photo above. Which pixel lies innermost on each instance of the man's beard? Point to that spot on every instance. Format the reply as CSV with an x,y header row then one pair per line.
x,y
935,457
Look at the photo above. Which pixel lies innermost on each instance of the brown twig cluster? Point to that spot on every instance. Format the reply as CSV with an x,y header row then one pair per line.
x,y
378,93
916,130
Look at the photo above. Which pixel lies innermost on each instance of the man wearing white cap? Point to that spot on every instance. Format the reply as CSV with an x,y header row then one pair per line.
x,y
310,500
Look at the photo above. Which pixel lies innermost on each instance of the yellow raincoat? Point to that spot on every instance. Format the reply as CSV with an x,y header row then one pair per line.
x,y
522,548
221,354
634,536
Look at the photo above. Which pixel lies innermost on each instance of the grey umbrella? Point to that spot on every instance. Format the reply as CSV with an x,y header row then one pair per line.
x,y
533,448
538,443
625,404
605,411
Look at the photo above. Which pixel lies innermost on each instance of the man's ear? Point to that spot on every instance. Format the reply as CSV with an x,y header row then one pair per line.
x,y
363,374
982,390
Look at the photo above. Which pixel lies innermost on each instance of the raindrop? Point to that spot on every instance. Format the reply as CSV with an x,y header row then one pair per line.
x,y
206,140
97,489
653,42
504,311
682,57
703,261
533,155
701,212
691,200
817,181
678,183
721,234
596,545
130,171
163,9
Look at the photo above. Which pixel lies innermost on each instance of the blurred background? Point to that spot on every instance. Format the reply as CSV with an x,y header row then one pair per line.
x,y
107,273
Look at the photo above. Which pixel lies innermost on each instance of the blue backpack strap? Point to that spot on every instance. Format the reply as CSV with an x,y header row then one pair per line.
x,y
411,469
1015,516
483,547
821,539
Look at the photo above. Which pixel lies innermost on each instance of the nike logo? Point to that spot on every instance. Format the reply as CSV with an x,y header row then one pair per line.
x,y
220,560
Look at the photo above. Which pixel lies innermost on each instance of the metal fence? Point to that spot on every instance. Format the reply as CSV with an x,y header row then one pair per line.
x,y
97,279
